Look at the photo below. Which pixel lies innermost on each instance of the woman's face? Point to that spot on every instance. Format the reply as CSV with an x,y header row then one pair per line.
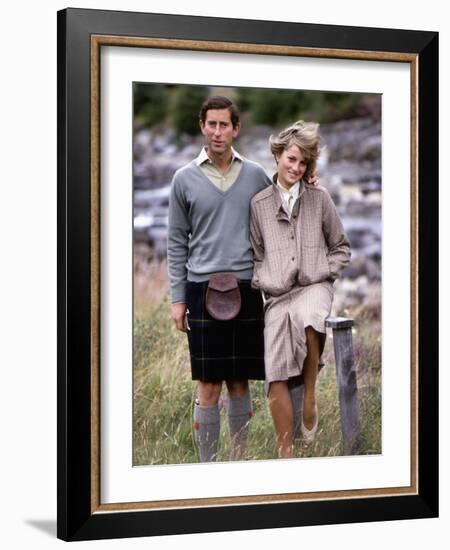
x,y
291,166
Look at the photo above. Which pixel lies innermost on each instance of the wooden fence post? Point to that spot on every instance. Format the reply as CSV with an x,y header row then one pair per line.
x,y
346,378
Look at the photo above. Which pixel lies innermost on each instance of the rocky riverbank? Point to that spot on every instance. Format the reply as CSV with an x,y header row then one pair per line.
x,y
349,167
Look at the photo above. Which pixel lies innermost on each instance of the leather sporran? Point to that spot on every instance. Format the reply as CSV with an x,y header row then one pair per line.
x,y
223,297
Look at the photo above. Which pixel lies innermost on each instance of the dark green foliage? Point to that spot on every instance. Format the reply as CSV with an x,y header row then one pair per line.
x,y
177,106
277,107
187,102
280,107
151,103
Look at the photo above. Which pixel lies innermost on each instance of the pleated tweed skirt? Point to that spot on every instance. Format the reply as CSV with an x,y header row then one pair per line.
x,y
286,318
225,350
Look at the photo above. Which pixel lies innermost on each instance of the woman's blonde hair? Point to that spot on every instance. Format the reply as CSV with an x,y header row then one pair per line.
x,y
303,134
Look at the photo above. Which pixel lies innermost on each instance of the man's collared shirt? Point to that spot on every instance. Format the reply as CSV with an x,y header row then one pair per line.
x,y
288,196
221,181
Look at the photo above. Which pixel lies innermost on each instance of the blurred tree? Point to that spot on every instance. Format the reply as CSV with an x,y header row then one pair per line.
x,y
177,106
186,106
280,107
268,106
340,105
151,103
275,107
244,99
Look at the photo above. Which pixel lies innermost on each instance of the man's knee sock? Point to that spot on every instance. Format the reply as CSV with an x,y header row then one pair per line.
x,y
239,414
207,430
296,394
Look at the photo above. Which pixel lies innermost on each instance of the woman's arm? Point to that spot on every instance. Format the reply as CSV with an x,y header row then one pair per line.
x,y
257,242
338,244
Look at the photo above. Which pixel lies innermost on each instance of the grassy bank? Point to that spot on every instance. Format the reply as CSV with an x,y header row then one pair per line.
x,y
164,395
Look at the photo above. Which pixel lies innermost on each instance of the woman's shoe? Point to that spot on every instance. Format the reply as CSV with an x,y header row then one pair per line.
x,y
308,435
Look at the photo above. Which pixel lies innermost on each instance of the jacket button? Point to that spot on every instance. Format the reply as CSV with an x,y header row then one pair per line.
x,y
293,259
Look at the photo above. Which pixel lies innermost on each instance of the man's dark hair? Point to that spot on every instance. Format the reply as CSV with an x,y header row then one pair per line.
x,y
220,102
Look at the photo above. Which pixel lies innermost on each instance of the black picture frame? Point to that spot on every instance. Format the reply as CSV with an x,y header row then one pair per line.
x,y
79,517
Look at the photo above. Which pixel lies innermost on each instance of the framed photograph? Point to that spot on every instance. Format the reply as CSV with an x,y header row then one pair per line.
x,y
350,168
130,92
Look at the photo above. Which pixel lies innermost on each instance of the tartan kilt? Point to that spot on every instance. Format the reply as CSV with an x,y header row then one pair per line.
x,y
225,350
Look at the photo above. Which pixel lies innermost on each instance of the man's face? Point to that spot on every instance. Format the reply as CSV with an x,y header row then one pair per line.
x,y
218,130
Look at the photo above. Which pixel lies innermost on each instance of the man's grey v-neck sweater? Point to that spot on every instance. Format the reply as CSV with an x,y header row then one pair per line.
x,y
209,228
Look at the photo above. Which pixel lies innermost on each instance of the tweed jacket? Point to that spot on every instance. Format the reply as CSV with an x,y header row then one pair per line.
x,y
308,248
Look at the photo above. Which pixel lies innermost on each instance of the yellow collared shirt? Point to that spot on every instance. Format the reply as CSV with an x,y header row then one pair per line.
x,y
221,181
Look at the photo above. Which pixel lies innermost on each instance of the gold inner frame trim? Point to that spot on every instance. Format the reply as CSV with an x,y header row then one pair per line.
x,y
233,47
263,49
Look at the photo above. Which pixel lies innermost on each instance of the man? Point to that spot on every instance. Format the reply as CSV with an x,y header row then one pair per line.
x,y
209,233
209,213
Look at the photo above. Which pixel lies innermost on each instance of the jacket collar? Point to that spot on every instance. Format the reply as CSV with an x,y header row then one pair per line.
x,y
280,211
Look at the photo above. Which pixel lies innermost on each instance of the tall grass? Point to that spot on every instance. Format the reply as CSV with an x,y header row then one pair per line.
x,y
164,396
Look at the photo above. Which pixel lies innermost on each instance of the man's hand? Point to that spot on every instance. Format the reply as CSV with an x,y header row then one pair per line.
x,y
313,178
179,316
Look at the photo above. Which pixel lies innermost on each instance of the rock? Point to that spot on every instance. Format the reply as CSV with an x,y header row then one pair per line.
x,y
362,266
154,172
349,167
357,298
152,197
356,139
369,148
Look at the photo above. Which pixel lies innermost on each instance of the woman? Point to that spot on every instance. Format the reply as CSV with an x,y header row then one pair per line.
x,y
299,248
